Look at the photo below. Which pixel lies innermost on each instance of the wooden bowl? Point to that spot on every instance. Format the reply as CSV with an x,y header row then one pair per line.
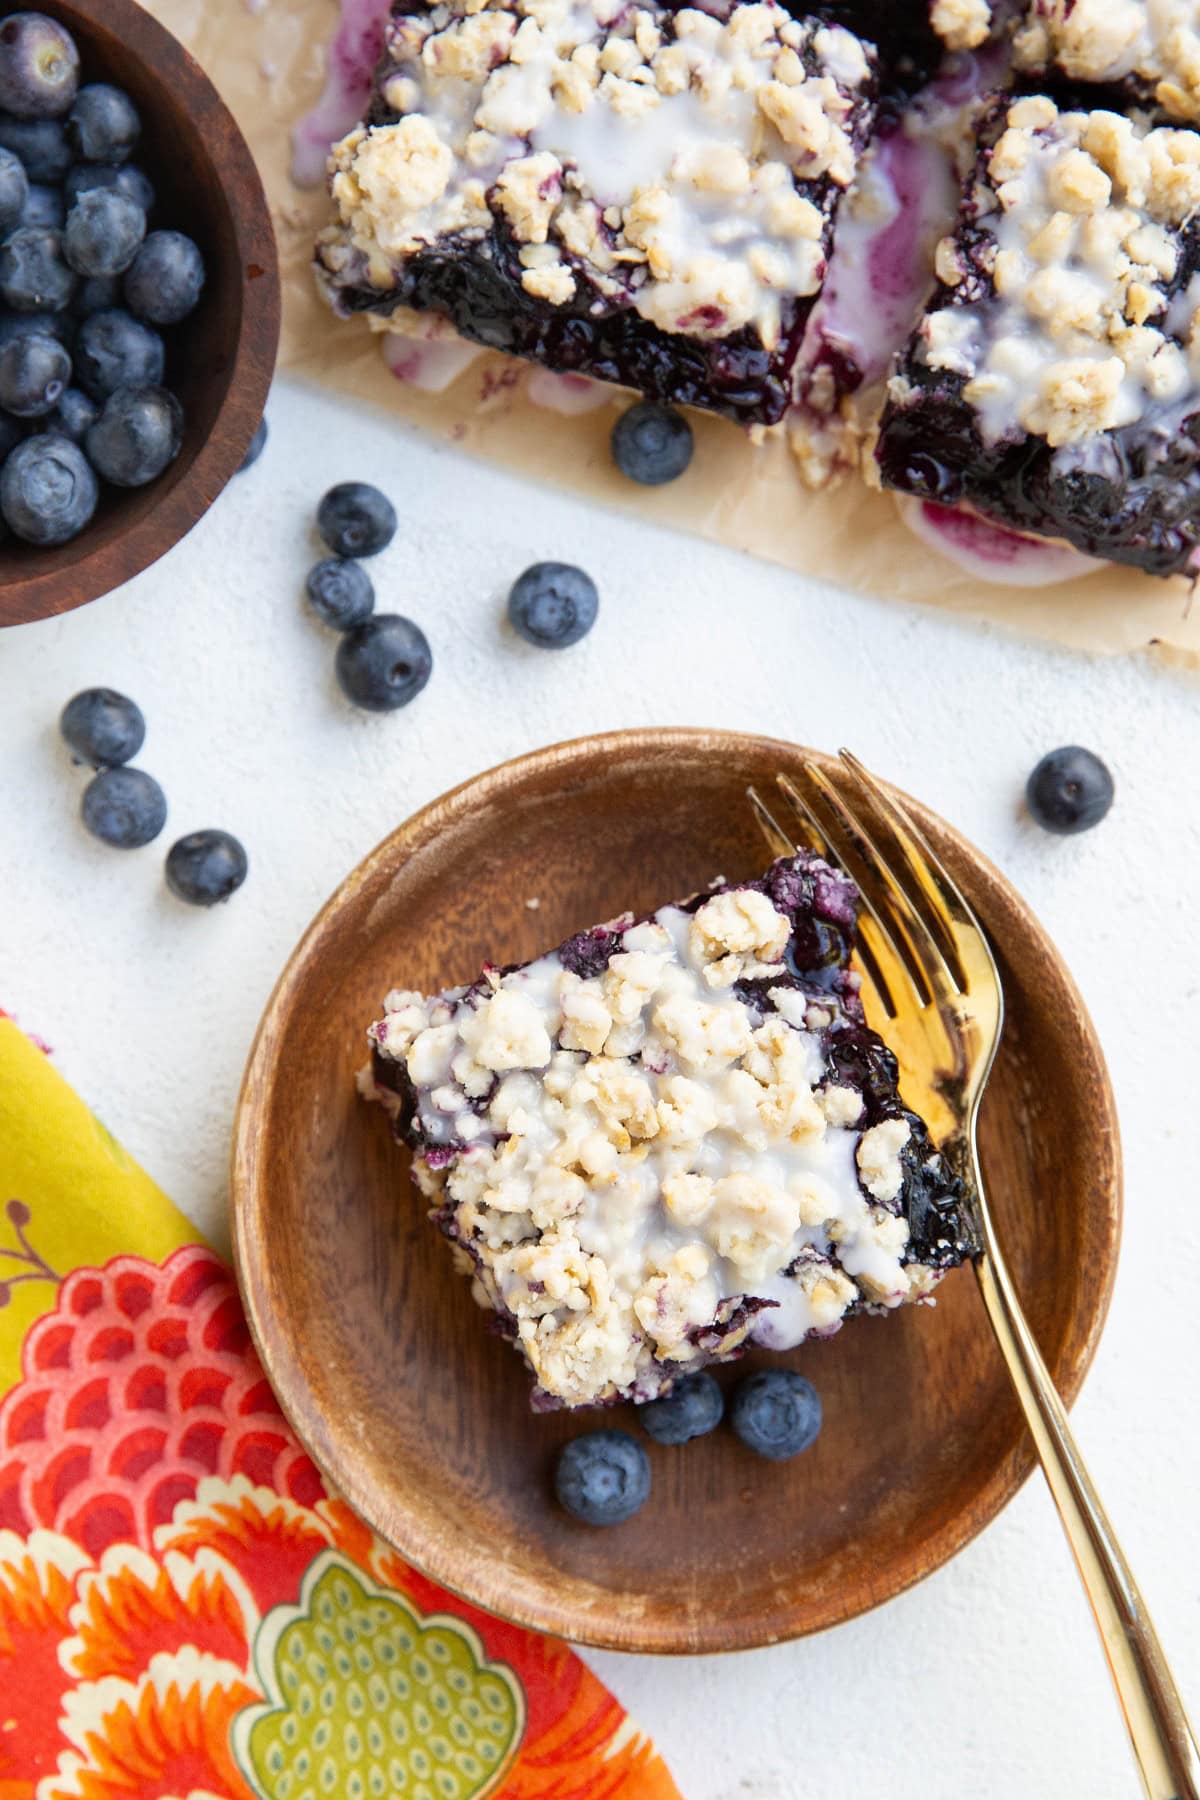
x,y
220,360
421,1418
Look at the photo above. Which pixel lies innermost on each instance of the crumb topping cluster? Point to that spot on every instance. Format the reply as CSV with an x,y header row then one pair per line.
x,y
1156,42
626,1159
962,24
658,157
1065,322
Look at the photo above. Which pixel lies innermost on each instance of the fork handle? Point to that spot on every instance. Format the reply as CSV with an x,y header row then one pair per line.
x,y
1163,1742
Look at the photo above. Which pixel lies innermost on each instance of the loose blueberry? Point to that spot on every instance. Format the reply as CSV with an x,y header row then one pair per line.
x,y
34,372
48,489
652,444
1069,791
775,1413
138,433
103,125
383,663
103,231
553,604
39,66
14,189
73,414
99,293
41,145
124,807
691,1410
114,350
34,277
126,178
257,446
205,867
602,1477
165,278
102,728
44,206
355,519
340,592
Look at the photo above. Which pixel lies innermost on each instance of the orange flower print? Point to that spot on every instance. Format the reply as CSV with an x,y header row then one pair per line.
x,y
133,1608
37,1586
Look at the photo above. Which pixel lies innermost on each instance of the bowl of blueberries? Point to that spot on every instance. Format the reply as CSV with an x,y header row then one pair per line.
x,y
139,300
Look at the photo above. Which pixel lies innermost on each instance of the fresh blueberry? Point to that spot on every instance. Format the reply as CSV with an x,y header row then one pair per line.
x,y
256,447
103,231
205,867
34,277
165,278
602,1477
138,433
102,728
775,1413
1069,791
103,125
384,662
691,1410
340,592
652,444
126,178
73,414
36,324
48,489
124,807
99,293
41,145
355,519
44,206
553,604
114,350
34,372
14,189
39,66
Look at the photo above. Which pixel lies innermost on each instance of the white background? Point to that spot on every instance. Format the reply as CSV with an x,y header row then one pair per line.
x,y
987,1680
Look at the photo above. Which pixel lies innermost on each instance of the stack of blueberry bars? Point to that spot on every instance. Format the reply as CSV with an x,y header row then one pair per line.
x,y
949,243
671,1137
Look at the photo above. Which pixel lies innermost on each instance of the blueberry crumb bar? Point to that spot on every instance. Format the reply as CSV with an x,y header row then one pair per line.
x,y
1053,382
669,1138
644,194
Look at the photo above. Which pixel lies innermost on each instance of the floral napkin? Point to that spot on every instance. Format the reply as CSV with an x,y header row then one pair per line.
x,y
185,1610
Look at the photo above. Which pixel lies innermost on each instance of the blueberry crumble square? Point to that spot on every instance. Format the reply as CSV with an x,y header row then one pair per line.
x,y
1053,382
1146,51
643,194
671,1137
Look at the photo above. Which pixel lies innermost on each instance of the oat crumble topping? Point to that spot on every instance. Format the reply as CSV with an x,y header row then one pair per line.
x,y
1156,43
962,24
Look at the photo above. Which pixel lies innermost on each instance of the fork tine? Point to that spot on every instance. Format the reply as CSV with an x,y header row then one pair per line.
x,y
779,841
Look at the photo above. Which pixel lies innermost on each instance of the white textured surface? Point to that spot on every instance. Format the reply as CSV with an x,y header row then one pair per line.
x,y
987,1679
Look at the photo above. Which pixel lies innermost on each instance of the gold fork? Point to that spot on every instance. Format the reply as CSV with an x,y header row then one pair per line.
x,y
940,1007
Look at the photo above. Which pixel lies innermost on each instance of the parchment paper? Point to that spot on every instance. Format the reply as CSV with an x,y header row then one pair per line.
x,y
268,59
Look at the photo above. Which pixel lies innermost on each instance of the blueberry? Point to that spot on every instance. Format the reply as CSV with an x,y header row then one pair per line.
x,y
34,276
602,1477
37,324
115,350
383,663
355,519
48,489
138,433
1069,791
126,178
41,145
44,206
124,807
165,278
34,372
102,728
256,446
553,604
206,867
776,1413
340,592
103,125
14,189
103,231
39,66
652,444
691,1410
73,414
99,293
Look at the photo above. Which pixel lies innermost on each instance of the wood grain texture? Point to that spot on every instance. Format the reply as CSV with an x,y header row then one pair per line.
x,y
384,1364
220,361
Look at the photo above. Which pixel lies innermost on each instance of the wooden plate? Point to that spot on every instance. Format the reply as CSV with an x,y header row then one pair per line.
x,y
421,1418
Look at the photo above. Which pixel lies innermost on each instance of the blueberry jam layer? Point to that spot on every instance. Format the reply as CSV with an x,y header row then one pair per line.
x,y
670,1137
